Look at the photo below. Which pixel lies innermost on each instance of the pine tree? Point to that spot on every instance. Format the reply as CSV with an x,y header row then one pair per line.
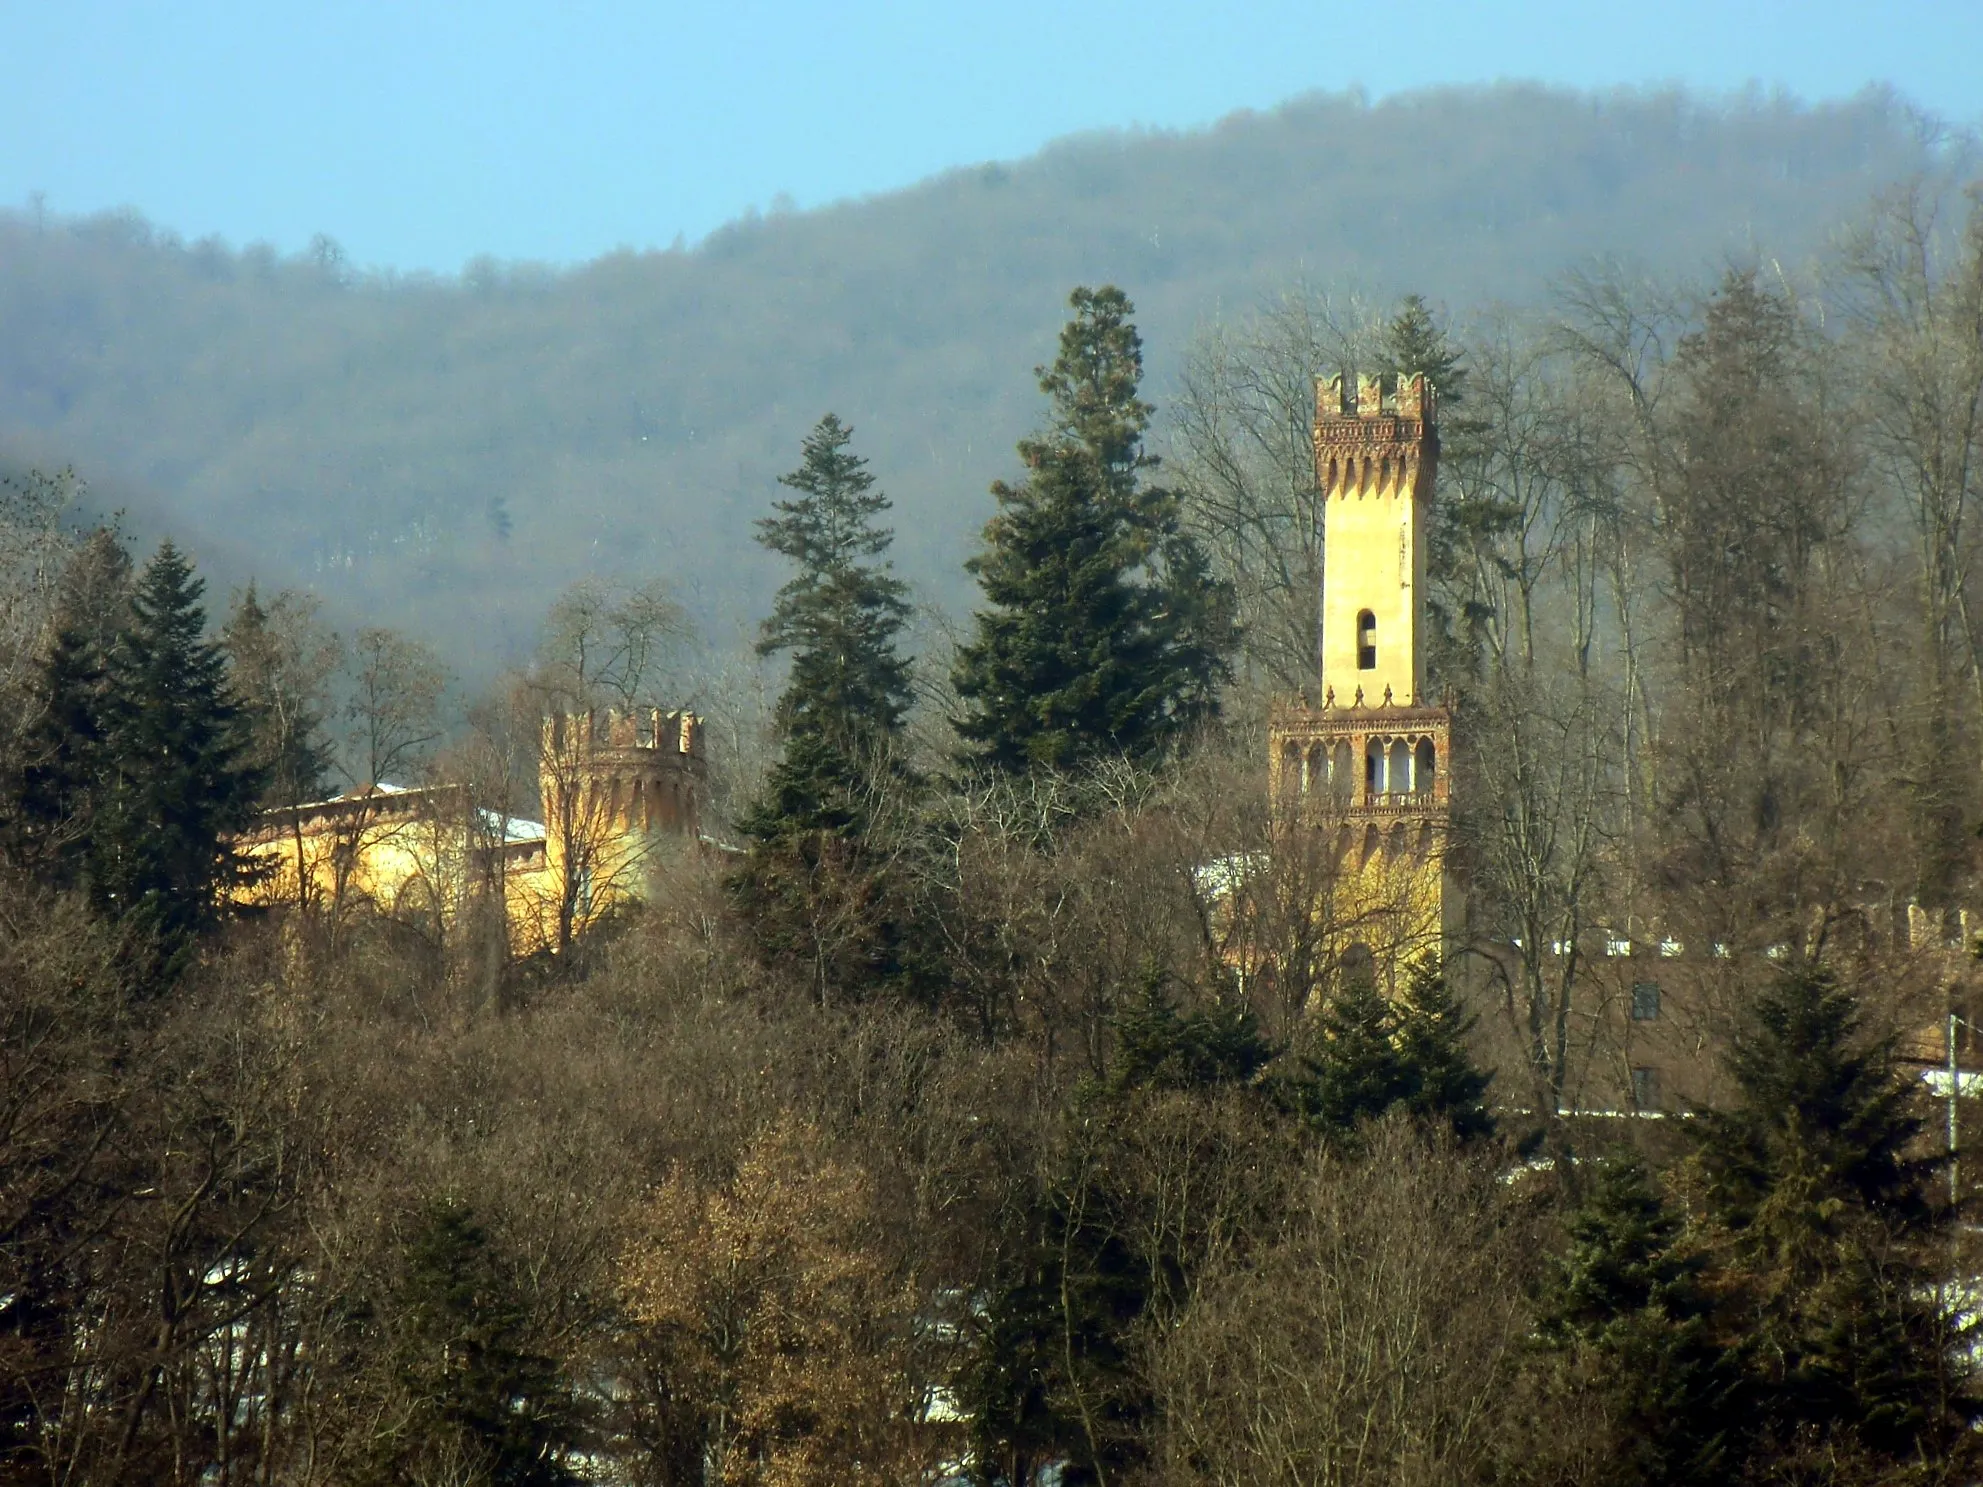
x,y
840,616
49,820
1446,1086
1629,1304
1822,1204
1104,632
1414,343
816,890
47,823
176,781
1053,1374
1355,1074
1157,1047
467,1367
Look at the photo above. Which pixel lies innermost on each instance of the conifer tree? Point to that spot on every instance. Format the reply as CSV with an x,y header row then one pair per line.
x,y
815,890
1446,1086
840,616
1816,1187
476,1386
1158,1047
176,780
1414,343
62,759
1103,632
1629,1303
49,819
1355,1073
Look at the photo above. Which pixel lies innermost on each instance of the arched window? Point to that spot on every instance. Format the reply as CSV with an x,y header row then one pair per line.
x,y
1427,764
1401,768
1373,767
1366,641
1342,779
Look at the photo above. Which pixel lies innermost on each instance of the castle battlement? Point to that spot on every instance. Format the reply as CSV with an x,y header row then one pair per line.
x,y
643,730
1372,443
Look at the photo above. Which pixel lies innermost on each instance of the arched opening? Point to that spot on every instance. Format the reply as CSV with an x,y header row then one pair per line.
x,y
1426,766
1373,767
1399,776
1366,641
1342,776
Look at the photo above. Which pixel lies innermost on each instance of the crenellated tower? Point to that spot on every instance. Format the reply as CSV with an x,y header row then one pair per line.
x,y
1372,764
615,786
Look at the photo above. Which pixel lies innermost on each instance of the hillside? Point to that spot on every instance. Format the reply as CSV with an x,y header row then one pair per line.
x,y
445,455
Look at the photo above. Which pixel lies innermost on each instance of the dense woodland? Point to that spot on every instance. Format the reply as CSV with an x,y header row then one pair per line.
x,y
442,455
925,1123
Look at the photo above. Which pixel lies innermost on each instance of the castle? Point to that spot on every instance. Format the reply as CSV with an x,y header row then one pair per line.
x,y
1370,768
616,788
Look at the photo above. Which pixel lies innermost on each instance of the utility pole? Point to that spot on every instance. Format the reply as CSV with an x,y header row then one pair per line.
x,y
1955,1083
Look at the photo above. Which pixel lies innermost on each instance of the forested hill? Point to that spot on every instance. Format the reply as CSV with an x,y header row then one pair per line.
x,y
445,455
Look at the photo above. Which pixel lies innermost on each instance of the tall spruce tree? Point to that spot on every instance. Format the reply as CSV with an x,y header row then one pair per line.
x,y
1816,1186
483,1398
816,890
1375,1054
1630,1310
176,782
1104,632
1354,1073
840,617
1415,343
47,822
1446,1086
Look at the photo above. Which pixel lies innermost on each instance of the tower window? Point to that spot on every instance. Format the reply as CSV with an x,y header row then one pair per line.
x,y
1366,641
1645,1001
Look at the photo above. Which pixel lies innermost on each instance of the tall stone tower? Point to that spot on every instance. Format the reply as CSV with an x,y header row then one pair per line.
x,y
1371,766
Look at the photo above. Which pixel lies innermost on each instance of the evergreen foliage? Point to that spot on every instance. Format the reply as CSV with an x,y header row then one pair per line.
x,y
1158,1047
177,780
1628,1300
61,762
1355,1073
1446,1087
1415,343
816,891
467,1367
47,822
841,617
1051,1376
1373,1054
1104,632
1821,1211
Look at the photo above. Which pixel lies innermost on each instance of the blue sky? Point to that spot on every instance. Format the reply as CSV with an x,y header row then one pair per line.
x,y
423,132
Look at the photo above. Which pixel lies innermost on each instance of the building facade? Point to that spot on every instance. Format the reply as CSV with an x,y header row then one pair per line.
x,y
617,790
1370,768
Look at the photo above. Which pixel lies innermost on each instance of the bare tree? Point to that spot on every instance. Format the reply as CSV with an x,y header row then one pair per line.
x,y
1374,1340
1244,461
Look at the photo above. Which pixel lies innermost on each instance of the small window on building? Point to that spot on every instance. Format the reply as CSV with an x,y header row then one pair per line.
x,y
1645,1088
1366,641
1645,1001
